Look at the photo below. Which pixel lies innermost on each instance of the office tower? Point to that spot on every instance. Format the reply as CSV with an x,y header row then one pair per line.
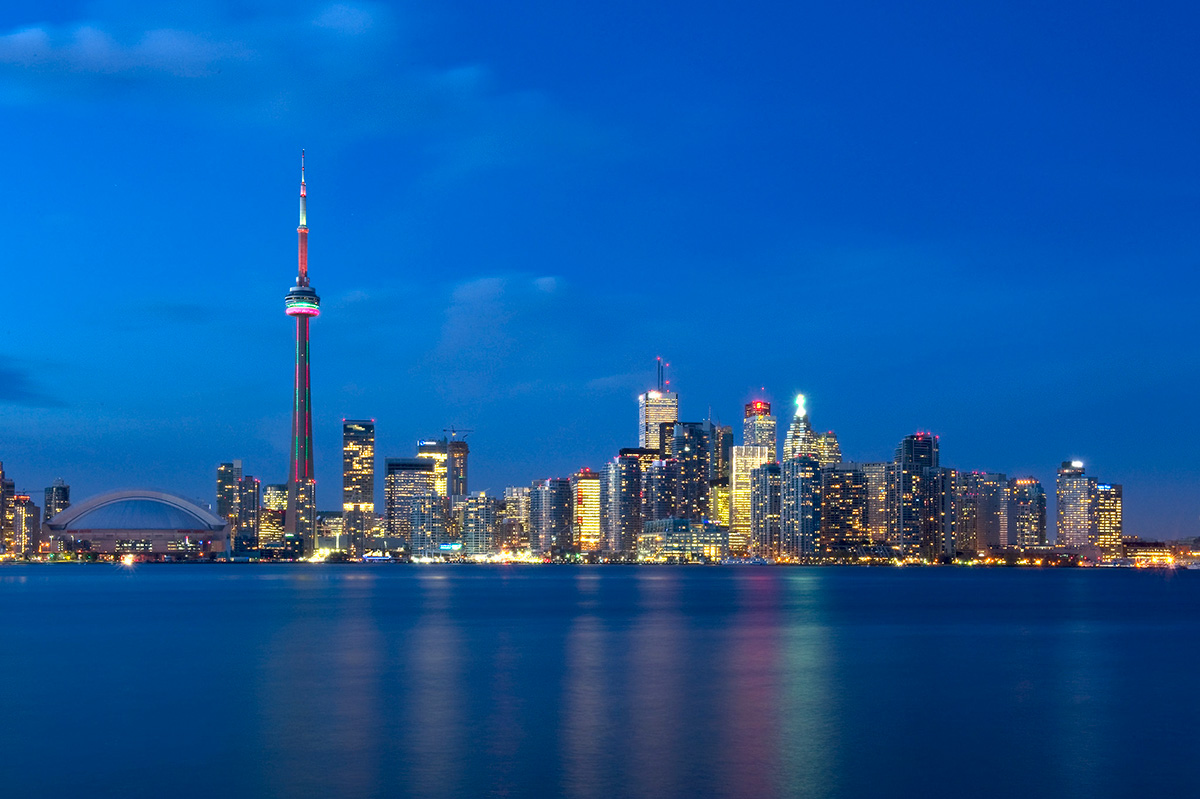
x,y
876,519
550,516
413,510
437,452
692,449
800,509
622,500
982,513
800,440
228,475
720,451
58,498
27,525
512,520
758,427
660,490
303,304
720,502
829,451
655,408
456,467
908,491
1108,519
8,492
272,509
764,511
248,516
1076,506
585,511
681,541
940,525
479,515
1026,513
358,482
745,460
844,501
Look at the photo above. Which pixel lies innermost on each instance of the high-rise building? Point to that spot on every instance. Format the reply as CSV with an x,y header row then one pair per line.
x,y
228,475
248,516
909,492
800,440
660,490
8,493
358,482
877,500
456,467
829,451
512,519
1026,513
58,498
479,513
413,510
303,305
1076,506
550,516
940,524
272,509
764,511
720,439
745,460
800,509
758,427
656,408
438,452
622,503
585,511
27,525
844,495
691,448
1109,514
982,525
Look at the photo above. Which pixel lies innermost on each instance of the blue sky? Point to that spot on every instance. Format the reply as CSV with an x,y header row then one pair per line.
x,y
977,221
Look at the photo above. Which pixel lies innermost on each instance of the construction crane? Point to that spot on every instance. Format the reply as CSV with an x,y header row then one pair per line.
x,y
454,431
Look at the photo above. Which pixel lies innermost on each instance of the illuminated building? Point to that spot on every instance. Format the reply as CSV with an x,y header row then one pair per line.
x,y
909,493
1108,519
844,490
693,450
719,502
144,523
585,511
272,509
720,442
1149,554
660,490
764,511
982,524
358,482
438,452
512,519
302,304
877,500
413,509
655,408
1026,513
248,500
622,499
27,525
58,498
829,451
550,516
479,524
800,440
940,524
800,509
681,541
456,467
758,427
1076,506
228,505
745,460
8,492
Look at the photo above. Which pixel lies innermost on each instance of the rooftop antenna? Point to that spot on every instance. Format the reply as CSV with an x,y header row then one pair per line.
x,y
660,373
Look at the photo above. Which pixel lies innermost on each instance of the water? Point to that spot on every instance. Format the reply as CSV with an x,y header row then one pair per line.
x,y
356,681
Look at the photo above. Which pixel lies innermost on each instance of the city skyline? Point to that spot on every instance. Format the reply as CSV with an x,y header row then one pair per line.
x,y
1052,280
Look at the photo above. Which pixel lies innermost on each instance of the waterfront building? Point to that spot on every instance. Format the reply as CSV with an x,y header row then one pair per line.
x,y
142,523
272,510
982,524
719,502
8,492
303,305
801,441
1109,526
876,475
479,514
682,541
940,524
800,509
456,467
358,482
1076,506
692,450
58,498
655,409
27,525
720,459
512,519
844,493
413,510
1026,513
745,460
909,492
764,511
550,516
585,511
758,427
228,504
660,490
829,451
437,451
245,539
622,503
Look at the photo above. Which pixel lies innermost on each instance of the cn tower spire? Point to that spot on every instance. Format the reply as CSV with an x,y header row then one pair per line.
x,y
302,230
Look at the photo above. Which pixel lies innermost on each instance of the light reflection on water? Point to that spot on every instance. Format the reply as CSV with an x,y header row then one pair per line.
x,y
305,681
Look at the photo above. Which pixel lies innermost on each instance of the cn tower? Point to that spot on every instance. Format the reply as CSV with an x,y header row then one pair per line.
x,y
300,521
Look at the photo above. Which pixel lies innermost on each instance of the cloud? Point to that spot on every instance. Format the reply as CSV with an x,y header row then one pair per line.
x,y
18,386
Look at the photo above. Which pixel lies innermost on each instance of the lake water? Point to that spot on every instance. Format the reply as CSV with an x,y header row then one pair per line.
x,y
462,681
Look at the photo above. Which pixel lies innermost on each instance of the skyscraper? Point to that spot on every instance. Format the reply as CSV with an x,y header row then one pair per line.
x,y
585,511
513,519
438,452
910,492
58,498
478,524
622,497
982,525
844,490
692,449
764,511
758,427
303,304
456,467
800,509
412,507
228,475
660,490
1109,523
8,493
745,460
358,482
655,408
800,440
272,509
27,525
1026,512
1076,506
877,500
248,516
550,516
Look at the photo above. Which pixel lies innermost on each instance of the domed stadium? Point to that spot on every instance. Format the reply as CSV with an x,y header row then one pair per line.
x,y
144,523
